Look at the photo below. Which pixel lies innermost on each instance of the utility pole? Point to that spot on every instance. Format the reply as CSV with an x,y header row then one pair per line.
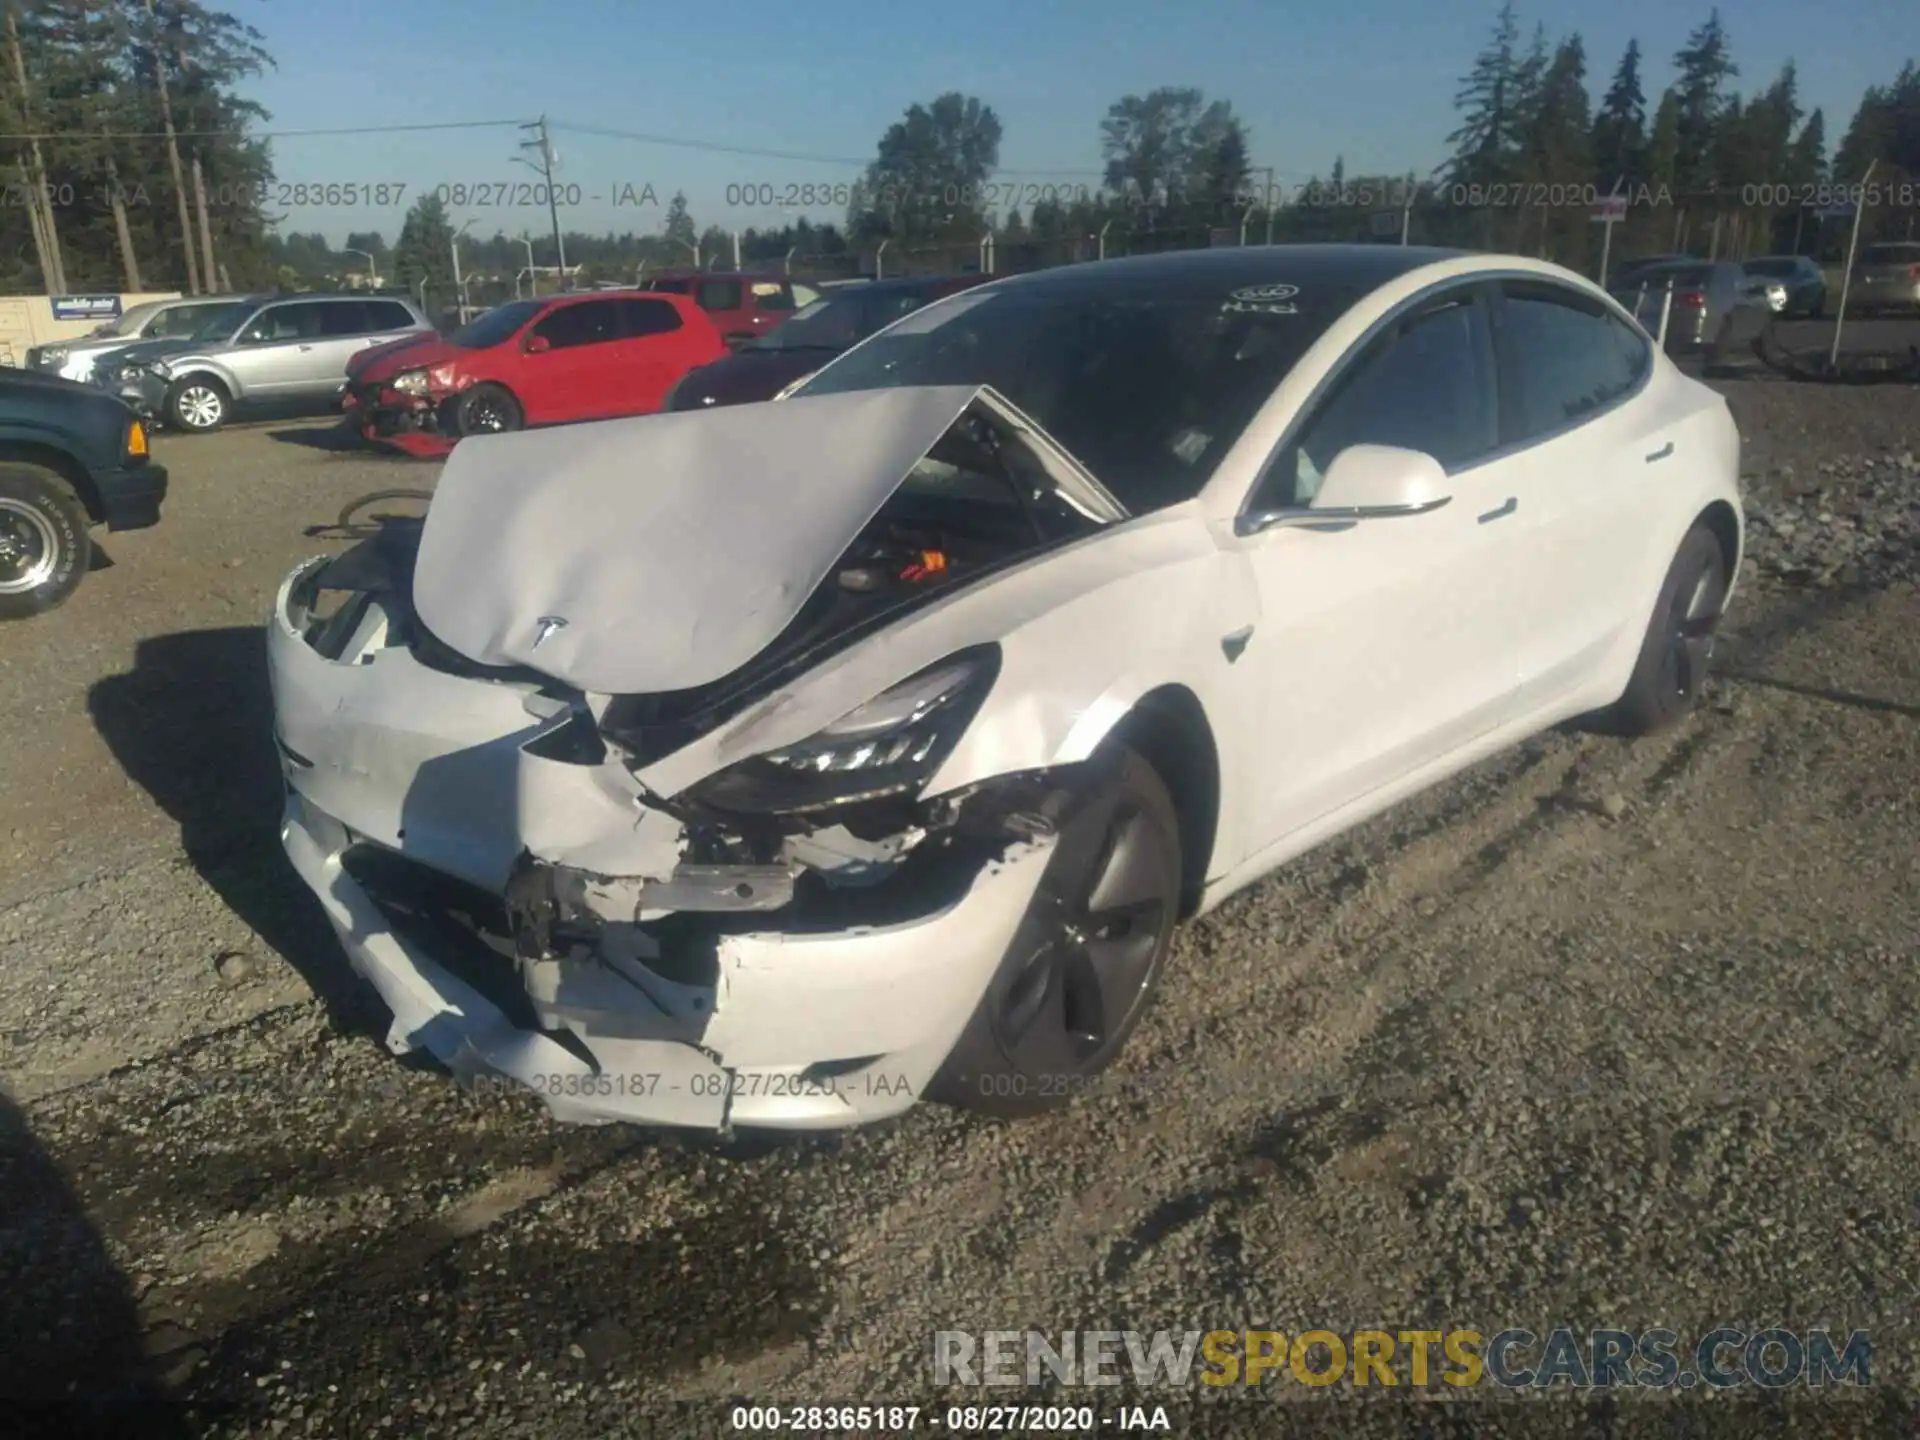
x,y
46,234
206,230
543,143
128,260
173,154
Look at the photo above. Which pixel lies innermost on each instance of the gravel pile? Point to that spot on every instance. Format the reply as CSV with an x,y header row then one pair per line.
x,y
1854,521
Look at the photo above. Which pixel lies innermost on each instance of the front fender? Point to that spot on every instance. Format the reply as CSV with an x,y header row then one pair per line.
x,y
1083,632
180,367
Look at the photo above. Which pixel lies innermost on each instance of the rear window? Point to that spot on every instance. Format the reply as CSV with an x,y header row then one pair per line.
x,y
1898,254
718,295
641,318
1776,269
670,287
388,315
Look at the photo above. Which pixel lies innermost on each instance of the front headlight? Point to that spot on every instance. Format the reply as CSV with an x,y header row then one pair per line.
x,y
79,367
53,355
410,382
887,748
1777,297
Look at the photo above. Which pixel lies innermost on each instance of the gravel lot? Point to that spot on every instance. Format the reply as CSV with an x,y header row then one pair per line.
x,y
1599,1035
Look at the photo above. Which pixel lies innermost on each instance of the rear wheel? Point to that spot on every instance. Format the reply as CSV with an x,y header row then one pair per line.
x,y
44,545
1084,963
198,403
489,410
1672,668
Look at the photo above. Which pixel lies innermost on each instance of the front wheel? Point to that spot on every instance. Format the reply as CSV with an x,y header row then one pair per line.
x,y
488,410
44,545
1088,953
198,403
1672,667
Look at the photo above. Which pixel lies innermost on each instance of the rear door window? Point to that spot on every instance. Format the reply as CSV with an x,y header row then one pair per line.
x,y
718,295
591,322
641,318
1566,358
344,317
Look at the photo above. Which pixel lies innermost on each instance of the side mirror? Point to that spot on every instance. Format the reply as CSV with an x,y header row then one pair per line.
x,y
1365,482
538,344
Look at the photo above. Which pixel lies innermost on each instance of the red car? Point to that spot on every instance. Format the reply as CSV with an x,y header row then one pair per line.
x,y
532,362
741,304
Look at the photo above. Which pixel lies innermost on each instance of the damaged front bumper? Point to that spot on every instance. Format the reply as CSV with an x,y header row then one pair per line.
x,y
393,418
748,1007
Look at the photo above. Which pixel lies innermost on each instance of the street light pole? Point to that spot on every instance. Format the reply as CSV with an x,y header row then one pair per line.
x,y
459,281
373,273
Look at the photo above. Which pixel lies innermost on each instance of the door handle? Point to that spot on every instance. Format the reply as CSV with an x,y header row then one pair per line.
x,y
1662,453
1513,504
305,348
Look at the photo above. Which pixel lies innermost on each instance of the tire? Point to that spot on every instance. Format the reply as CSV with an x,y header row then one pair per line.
x,y
44,545
1672,667
488,410
1065,997
198,404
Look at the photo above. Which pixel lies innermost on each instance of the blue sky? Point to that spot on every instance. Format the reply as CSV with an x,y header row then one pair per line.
x,y
1370,80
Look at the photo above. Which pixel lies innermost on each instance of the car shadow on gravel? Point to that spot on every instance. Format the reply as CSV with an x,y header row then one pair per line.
x,y
192,724
337,438
69,1326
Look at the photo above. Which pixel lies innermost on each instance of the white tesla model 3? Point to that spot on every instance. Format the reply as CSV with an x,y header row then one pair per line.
x,y
784,764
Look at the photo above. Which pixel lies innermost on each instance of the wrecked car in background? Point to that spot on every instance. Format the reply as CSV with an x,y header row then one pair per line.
x,y
782,764
527,363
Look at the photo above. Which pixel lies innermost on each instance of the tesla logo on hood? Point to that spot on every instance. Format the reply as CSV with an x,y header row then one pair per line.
x,y
546,625
1270,299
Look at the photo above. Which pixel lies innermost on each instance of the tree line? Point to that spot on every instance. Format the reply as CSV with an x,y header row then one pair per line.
x,y
132,166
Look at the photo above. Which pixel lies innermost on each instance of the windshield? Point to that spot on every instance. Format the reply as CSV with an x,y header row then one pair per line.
x,y
1777,269
219,324
127,324
497,325
1146,387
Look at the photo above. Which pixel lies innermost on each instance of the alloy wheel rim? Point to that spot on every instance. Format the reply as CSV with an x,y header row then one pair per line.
x,y
487,415
1690,625
29,548
1088,941
199,407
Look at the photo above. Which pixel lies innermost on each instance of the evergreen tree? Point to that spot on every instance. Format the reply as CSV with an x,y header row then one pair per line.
x,y
1620,127
1484,143
1705,64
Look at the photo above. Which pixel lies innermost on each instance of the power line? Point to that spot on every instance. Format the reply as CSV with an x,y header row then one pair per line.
x,y
758,153
259,134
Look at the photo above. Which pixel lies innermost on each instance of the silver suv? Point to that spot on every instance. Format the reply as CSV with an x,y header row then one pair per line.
x,y
287,350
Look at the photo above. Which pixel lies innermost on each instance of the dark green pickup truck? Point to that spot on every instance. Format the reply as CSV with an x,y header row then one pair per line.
x,y
71,457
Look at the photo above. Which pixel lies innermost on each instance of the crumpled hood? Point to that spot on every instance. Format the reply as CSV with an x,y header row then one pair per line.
x,y
672,548
142,352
